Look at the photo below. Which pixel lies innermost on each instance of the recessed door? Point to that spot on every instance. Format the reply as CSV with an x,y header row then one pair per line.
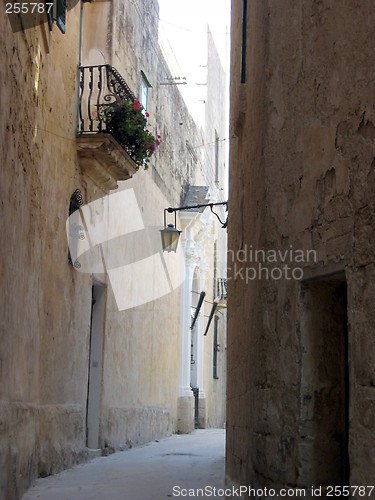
x,y
95,367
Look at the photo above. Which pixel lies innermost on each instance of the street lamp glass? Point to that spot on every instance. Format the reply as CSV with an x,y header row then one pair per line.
x,y
169,238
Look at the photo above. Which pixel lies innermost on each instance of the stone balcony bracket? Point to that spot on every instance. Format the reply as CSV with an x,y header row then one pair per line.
x,y
103,160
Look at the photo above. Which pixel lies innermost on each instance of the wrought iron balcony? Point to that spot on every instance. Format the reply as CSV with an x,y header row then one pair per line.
x,y
104,155
99,86
221,289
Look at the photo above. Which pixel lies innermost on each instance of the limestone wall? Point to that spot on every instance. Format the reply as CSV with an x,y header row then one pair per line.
x,y
44,325
302,165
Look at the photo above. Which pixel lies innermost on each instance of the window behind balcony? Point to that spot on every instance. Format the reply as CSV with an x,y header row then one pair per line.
x,y
61,14
56,12
143,91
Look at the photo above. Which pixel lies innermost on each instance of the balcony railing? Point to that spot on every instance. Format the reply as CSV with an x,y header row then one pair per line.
x,y
100,86
104,155
221,289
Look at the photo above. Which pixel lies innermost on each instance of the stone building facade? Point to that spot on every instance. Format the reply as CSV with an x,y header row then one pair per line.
x,y
82,366
301,352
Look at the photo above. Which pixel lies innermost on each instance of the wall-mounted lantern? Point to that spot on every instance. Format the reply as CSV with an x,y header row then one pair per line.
x,y
170,234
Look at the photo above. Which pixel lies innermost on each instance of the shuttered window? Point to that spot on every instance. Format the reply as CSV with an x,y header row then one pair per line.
x,y
56,12
61,14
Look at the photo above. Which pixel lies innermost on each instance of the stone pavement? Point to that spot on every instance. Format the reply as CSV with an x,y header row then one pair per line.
x,y
156,471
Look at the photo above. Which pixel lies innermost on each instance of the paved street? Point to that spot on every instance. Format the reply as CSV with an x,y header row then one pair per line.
x,y
156,471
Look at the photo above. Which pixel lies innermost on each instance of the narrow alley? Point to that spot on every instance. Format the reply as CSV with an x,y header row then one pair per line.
x,y
187,249
156,471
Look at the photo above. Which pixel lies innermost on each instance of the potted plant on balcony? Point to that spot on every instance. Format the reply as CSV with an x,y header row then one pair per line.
x,y
128,124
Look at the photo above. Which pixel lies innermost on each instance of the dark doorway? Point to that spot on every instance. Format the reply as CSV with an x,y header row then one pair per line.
x,y
324,419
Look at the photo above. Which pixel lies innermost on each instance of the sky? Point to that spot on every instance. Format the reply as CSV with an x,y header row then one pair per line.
x,y
183,35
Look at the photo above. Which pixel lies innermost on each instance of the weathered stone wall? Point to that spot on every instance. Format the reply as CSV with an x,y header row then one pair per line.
x,y
130,427
44,327
302,166
140,352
